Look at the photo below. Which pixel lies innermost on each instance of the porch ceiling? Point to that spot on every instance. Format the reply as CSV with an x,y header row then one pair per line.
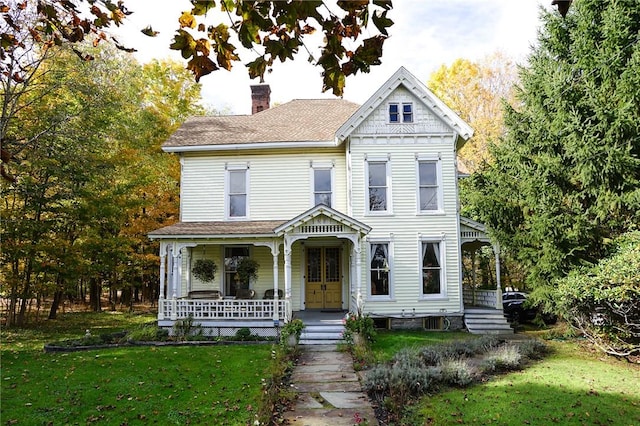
x,y
234,229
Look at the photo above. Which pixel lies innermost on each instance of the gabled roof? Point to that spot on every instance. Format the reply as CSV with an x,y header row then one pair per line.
x,y
322,210
298,123
415,86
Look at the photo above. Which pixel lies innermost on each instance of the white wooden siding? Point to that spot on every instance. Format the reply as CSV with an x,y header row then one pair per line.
x,y
280,184
403,144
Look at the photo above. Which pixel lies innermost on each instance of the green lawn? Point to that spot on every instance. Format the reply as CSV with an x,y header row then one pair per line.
x,y
127,385
572,386
388,342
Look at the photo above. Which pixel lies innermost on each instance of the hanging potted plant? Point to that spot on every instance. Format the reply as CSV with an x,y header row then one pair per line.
x,y
204,270
247,271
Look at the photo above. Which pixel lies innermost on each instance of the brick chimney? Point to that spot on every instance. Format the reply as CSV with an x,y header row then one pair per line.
x,y
260,98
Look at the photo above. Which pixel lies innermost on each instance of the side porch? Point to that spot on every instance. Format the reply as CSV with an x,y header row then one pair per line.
x,y
483,311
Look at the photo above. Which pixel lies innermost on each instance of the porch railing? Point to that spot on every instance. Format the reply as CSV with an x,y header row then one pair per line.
x,y
484,298
222,309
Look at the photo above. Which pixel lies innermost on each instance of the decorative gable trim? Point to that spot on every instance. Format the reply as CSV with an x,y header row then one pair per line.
x,y
470,231
421,92
322,220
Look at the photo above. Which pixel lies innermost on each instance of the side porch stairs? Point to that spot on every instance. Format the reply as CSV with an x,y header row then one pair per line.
x,y
486,321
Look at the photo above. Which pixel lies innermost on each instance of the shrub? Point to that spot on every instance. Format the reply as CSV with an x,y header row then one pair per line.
x,y
244,334
457,372
533,349
186,329
148,333
504,358
603,302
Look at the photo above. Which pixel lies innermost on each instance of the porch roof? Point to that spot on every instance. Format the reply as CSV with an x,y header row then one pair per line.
x,y
320,211
471,231
234,229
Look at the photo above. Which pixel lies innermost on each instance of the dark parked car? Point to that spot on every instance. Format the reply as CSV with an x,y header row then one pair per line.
x,y
515,308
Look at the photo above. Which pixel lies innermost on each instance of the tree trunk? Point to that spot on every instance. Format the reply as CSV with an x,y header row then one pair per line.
x,y
57,298
95,291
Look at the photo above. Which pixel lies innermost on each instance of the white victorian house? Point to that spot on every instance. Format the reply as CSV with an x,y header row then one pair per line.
x,y
343,207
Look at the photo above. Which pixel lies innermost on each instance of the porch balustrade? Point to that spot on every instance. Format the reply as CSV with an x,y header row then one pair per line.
x,y
222,309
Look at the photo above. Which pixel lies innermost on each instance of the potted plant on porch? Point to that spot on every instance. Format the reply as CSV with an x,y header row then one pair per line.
x,y
247,271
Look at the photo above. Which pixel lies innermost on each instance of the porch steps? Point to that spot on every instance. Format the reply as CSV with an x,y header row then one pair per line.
x,y
486,321
322,334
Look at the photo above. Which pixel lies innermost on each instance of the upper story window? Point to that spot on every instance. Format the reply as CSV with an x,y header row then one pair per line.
x,y
322,186
432,271
401,112
237,192
429,190
379,190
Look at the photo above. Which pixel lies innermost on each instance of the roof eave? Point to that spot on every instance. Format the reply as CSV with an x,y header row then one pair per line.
x,y
253,146
208,236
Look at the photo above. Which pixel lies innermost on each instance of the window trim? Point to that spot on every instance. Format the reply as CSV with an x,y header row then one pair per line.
x,y
367,206
440,192
397,114
400,113
227,191
405,114
443,272
390,261
322,166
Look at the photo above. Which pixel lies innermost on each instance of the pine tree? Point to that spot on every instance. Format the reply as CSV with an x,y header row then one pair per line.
x,y
564,181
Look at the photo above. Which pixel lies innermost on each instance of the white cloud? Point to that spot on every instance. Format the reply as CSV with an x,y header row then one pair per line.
x,y
426,34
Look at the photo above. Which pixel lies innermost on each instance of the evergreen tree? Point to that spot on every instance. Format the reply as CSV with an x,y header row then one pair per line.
x,y
565,178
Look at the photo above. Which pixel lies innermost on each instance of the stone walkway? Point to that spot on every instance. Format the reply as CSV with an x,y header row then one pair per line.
x,y
329,392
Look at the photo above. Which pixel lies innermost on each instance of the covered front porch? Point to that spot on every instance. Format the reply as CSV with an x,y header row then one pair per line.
x,y
310,261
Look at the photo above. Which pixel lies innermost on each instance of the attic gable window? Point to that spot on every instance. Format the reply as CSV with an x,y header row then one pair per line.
x,y
401,112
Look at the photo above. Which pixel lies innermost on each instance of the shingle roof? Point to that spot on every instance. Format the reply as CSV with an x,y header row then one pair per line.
x,y
218,229
301,120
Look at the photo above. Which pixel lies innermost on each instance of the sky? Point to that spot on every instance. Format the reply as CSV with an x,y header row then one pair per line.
x,y
426,34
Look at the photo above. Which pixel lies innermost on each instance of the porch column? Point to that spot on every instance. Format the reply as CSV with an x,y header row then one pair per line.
x,y
275,251
287,270
358,250
174,269
496,251
163,260
187,253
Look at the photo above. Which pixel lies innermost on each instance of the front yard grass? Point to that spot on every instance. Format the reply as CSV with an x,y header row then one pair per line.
x,y
126,385
571,386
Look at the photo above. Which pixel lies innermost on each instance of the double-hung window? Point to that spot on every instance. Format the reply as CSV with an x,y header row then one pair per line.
x,y
401,112
379,269
237,192
322,186
429,190
432,268
378,188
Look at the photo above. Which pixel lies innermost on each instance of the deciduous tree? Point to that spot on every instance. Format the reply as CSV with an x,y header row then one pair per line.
x,y
209,34
476,91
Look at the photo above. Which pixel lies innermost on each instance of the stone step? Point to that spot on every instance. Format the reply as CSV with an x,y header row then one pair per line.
x,y
330,334
320,341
